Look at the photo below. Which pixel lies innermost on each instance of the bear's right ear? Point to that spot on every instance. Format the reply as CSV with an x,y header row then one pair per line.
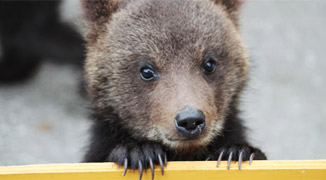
x,y
97,13
232,8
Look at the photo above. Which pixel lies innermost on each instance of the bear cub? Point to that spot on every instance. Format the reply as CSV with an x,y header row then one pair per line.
x,y
164,78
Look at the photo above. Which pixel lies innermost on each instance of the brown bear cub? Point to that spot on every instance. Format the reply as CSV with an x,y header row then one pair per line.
x,y
164,78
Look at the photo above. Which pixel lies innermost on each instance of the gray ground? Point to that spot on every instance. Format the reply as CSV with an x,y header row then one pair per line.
x,y
45,120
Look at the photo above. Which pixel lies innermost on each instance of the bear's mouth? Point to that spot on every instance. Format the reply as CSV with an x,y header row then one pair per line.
x,y
183,139
186,144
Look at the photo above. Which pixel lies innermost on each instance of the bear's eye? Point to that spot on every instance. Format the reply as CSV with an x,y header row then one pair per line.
x,y
209,65
147,73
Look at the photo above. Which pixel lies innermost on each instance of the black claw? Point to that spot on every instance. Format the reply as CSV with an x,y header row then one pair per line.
x,y
229,160
140,169
125,166
165,160
161,163
252,155
240,158
152,166
219,158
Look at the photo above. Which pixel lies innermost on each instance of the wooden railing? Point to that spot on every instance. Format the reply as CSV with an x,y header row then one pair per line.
x,y
199,170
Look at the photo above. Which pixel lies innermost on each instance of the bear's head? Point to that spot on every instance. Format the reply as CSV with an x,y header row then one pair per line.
x,y
171,70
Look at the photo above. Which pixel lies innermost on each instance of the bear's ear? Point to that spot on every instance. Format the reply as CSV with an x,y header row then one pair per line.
x,y
97,13
232,7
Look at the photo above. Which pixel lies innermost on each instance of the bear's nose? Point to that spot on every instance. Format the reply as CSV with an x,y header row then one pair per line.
x,y
190,122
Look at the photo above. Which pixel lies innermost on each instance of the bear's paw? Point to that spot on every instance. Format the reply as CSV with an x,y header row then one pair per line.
x,y
135,156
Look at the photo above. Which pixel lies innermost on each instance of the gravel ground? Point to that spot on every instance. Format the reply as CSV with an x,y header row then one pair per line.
x,y
45,120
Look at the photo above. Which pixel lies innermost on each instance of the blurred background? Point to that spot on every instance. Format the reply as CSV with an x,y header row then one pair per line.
x,y
44,116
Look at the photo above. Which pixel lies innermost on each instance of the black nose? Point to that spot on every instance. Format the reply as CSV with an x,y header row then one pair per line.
x,y
190,122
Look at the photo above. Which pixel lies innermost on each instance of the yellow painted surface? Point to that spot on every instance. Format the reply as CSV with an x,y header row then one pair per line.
x,y
199,170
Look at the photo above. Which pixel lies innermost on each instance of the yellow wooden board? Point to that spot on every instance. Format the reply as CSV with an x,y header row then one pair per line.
x,y
185,170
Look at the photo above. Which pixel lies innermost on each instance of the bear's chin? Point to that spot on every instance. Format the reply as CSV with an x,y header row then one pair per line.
x,y
188,144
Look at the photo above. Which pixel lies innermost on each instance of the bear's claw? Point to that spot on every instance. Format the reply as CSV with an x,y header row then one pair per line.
x,y
139,157
230,159
151,164
125,163
140,166
238,153
252,155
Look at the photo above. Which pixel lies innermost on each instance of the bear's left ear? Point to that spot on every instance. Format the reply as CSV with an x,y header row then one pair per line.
x,y
232,7
97,13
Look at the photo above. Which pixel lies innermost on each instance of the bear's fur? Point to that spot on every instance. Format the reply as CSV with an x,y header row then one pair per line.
x,y
134,119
